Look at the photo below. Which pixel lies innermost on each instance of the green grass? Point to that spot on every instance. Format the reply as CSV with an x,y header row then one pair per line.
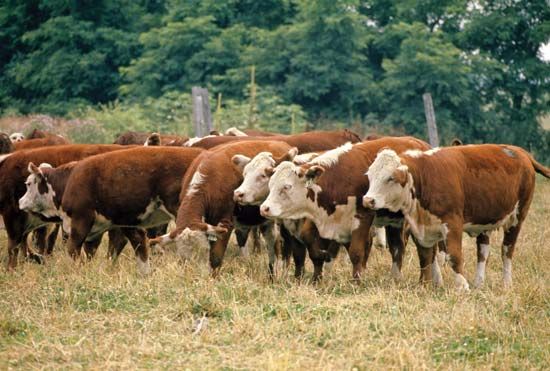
x,y
96,315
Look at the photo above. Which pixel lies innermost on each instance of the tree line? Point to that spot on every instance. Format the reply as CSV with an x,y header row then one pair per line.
x,y
354,63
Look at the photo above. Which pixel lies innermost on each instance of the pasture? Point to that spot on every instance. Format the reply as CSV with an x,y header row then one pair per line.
x,y
99,316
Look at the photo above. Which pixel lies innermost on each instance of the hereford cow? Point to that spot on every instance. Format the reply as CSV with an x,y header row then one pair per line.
x,y
328,191
13,172
54,140
443,192
17,137
207,208
140,138
133,189
310,141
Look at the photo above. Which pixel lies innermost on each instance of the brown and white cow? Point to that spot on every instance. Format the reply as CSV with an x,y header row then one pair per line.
x,y
140,138
443,192
53,140
13,172
328,190
17,137
133,189
207,209
310,141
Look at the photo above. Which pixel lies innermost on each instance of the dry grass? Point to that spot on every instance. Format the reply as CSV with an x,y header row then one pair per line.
x,y
99,316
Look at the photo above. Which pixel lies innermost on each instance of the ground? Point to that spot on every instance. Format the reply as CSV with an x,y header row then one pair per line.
x,y
100,316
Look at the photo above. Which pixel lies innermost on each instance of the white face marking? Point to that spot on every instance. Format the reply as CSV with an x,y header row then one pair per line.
x,y
383,189
197,179
235,132
481,264
33,200
330,158
288,199
189,241
254,188
509,221
17,137
460,283
155,214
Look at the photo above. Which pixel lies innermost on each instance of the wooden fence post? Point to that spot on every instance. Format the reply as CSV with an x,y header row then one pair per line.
x,y
252,114
430,119
202,117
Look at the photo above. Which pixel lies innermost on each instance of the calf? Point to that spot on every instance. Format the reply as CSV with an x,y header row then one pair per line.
x,y
328,190
13,172
97,196
207,208
443,192
306,142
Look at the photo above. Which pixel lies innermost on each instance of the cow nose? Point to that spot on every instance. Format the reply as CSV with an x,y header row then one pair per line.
x,y
368,202
238,196
264,210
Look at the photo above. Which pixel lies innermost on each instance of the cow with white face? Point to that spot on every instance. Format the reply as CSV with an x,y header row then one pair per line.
x,y
17,137
328,191
256,173
441,193
39,197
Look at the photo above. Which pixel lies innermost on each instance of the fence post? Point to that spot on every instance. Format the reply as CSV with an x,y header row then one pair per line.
x,y
252,113
202,117
430,119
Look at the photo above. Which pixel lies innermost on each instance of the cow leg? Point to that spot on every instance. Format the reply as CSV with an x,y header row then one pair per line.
x,y
217,252
241,233
426,258
90,247
15,226
396,244
255,231
360,245
380,237
39,239
507,252
316,247
454,249
80,227
117,241
482,242
138,239
298,250
270,231
52,238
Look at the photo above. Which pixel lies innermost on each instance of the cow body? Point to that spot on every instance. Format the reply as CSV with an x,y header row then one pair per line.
x,y
53,140
305,142
443,192
140,138
133,189
13,172
328,190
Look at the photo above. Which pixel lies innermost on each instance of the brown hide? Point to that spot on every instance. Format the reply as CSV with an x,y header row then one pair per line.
x,y
259,133
305,142
13,173
347,177
214,200
139,138
52,140
6,146
121,185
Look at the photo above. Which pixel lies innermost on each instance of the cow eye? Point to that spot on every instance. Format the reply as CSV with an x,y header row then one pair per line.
x,y
390,179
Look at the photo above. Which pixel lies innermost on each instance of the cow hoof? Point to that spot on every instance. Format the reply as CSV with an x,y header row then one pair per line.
x,y
461,284
143,267
396,273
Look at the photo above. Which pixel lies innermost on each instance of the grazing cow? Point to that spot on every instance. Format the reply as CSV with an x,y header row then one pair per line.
x,y
17,137
207,208
13,172
443,192
96,197
328,191
310,141
139,138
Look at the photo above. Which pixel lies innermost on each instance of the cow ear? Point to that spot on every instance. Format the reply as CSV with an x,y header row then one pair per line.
x,y
314,172
240,161
153,140
289,156
33,169
400,175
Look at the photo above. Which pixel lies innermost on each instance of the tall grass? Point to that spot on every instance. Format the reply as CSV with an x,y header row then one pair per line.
x,y
100,316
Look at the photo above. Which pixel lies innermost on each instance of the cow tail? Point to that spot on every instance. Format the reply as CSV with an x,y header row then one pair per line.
x,y
539,168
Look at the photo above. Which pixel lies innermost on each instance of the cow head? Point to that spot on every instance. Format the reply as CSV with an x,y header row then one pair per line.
x,y
256,173
39,197
152,140
289,188
390,183
17,137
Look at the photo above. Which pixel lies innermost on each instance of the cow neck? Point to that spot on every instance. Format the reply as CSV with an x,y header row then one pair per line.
x,y
191,212
58,179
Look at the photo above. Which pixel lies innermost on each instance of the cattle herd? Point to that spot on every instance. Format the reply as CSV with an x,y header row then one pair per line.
x,y
306,194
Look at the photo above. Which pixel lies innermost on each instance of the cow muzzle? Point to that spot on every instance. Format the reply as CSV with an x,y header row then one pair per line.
x,y
369,203
238,196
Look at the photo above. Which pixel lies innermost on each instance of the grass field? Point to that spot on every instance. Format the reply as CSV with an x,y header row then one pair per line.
x,y
101,316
